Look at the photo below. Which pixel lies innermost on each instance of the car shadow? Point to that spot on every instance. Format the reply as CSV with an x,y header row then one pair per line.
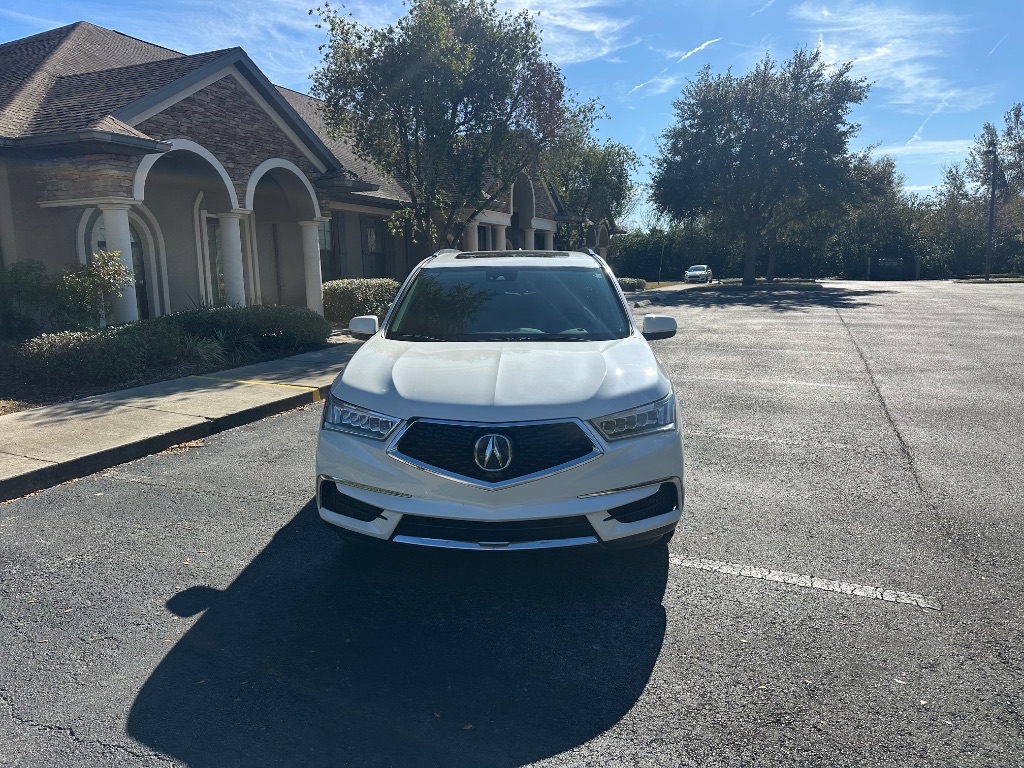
x,y
779,298
322,654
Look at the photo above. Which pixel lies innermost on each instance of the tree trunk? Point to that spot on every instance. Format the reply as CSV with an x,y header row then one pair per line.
x,y
750,261
769,276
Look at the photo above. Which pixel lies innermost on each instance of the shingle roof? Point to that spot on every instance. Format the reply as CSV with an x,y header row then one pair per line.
x,y
48,81
309,110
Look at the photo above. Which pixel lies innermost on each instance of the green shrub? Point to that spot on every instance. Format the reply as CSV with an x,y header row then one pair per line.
x,y
632,283
280,328
201,351
345,299
88,290
81,359
276,328
238,347
28,300
158,341
206,338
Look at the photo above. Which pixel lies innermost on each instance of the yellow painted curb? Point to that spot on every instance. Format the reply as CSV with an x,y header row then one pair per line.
x,y
314,390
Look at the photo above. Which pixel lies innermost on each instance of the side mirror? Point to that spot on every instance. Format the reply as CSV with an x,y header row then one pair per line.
x,y
659,327
363,327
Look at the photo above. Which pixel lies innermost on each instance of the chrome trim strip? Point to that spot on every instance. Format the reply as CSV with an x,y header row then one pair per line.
x,y
588,430
362,487
629,488
496,545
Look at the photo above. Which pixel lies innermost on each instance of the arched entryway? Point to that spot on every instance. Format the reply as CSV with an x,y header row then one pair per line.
x,y
146,257
193,201
287,231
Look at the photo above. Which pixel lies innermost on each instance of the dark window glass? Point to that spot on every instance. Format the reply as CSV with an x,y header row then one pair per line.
x,y
489,303
375,263
332,248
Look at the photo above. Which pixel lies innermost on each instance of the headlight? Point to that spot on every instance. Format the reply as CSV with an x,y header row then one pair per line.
x,y
345,417
658,416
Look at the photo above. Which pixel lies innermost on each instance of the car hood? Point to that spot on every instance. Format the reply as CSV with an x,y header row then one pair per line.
x,y
502,381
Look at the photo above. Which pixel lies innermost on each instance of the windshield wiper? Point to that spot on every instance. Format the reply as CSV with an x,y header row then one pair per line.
x,y
530,337
414,337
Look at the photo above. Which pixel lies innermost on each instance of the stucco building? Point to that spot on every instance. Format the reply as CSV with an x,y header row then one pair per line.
x,y
216,186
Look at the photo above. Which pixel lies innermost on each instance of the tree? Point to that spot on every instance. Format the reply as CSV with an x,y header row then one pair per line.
x,y
594,180
454,101
765,149
954,226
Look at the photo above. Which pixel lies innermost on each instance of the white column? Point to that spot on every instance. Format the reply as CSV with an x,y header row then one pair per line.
x,y
231,243
549,240
499,237
311,264
470,241
119,238
528,238
603,252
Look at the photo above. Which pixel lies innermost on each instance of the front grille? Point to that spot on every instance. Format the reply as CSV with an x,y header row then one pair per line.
x,y
335,501
536,448
474,531
664,500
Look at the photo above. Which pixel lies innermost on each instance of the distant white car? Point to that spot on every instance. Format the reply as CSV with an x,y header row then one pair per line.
x,y
508,402
699,273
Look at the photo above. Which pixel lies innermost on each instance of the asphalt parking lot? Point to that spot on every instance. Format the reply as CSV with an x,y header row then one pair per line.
x,y
844,590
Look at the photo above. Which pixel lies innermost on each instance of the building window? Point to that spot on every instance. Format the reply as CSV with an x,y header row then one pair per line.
x,y
332,248
374,253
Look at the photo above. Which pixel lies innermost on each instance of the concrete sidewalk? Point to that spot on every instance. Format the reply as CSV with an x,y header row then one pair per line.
x,y
45,446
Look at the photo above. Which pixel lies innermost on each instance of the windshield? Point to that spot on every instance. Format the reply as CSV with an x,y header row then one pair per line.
x,y
698,268
489,303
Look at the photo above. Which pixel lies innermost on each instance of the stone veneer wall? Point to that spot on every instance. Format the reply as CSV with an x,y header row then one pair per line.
x,y
84,176
227,121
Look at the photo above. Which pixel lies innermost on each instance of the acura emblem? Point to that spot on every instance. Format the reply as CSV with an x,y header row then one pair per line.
x,y
493,453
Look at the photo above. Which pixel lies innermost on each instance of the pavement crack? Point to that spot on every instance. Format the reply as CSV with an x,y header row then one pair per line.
x,y
905,449
945,525
7,698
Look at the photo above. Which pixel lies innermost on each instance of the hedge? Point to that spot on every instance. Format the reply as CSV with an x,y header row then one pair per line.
x,y
75,360
272,328
632,283
345,299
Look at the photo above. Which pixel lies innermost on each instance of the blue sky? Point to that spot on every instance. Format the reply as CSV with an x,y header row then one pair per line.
x,y
940,68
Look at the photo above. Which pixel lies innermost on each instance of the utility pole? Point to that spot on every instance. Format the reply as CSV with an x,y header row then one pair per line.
x,y
991,152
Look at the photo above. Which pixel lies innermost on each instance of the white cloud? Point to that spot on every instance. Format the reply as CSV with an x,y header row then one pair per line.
x,y
660,83
575,31
947,149
764,7
899,51
29,19
698,49
283,40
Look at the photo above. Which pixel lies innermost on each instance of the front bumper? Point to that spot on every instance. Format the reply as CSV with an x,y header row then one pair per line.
x,y
630,494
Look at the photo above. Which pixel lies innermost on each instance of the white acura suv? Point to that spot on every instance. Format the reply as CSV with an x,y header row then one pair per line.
x,y
507,402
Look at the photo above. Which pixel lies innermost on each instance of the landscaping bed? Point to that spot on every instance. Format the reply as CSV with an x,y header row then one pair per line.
x,y
63,366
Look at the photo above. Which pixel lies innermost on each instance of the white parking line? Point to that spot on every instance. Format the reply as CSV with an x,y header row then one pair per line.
x,y
811,582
